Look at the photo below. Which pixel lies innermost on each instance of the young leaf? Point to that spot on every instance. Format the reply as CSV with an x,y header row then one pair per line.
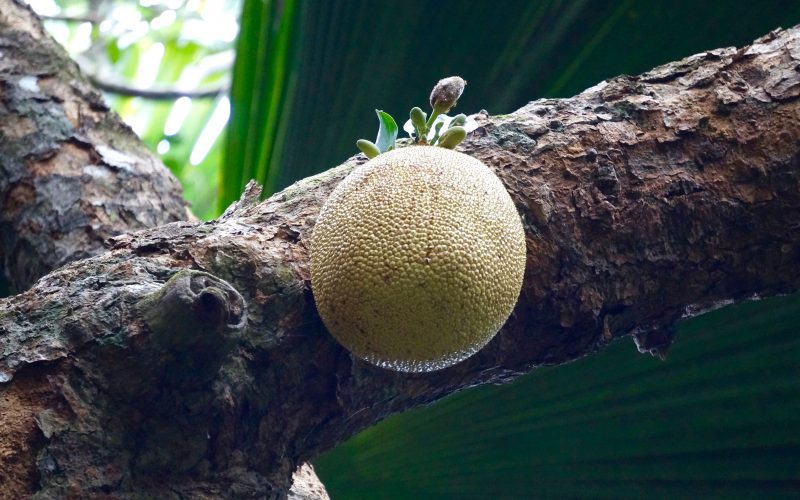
x,y
368,148
452,137
387,132
458,121
436,129
418,118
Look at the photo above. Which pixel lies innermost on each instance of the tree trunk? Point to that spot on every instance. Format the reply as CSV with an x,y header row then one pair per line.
x,y
189,359
72,173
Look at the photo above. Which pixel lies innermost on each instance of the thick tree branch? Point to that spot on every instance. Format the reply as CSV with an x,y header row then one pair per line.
x,y
71,175
646,199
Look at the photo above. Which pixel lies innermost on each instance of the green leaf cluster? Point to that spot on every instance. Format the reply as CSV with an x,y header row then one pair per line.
x,y
438,130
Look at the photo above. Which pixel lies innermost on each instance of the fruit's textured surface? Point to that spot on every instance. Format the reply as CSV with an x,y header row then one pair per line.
x,y
417,258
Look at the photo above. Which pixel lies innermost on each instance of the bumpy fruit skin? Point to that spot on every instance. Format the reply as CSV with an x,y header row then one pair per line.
x,y
417,258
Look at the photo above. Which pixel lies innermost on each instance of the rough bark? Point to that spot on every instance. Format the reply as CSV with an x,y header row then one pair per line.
x,y
71,175
190,361
71,172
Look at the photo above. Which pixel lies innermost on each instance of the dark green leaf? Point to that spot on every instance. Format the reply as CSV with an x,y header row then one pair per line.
x,y
262,94
720,415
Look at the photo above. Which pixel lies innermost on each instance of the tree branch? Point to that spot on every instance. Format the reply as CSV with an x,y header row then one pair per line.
x,y
86,18
156,93
646,199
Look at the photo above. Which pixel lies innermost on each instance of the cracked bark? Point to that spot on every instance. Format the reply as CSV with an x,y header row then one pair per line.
x,y
71,175
71,172
646,199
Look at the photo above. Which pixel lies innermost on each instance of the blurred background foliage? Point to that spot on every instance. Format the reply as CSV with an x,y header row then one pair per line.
x,y
718,418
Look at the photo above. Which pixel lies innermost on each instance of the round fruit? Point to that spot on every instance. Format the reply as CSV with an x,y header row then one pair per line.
x,y
417,258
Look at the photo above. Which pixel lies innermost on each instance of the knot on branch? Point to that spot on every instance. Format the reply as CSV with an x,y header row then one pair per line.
x,y
655,342
194,309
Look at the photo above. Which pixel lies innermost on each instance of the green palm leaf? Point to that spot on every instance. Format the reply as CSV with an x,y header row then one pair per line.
x,y
264,83
720,416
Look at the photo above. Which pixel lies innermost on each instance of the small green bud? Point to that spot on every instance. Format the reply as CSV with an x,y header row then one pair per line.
x,y
368,148
452,137
458,121
418,118
446,93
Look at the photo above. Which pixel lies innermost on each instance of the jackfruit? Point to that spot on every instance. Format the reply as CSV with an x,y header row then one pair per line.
x,y
417,258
